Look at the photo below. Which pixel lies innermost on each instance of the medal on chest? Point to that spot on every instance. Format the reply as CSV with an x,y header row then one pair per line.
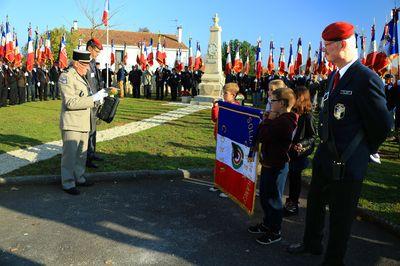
x,y
339,111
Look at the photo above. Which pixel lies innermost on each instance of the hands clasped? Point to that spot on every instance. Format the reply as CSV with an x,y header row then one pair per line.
x,y
100,95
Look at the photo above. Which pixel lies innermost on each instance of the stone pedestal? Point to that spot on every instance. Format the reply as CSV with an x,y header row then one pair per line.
x,y
213,78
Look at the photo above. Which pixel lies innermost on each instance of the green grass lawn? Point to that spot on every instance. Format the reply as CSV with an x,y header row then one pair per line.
x,y
187,143
35,123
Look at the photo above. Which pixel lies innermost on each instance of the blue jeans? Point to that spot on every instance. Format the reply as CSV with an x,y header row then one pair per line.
x,y
272,184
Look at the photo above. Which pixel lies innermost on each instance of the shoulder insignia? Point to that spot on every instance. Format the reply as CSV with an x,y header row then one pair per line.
x,y
63,79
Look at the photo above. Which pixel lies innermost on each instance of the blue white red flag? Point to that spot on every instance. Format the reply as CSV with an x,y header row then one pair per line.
x,y
258,64
373,50
2,41
30,58
9,50
246,68
291,61
299,58
159,53
233,173
228,64
190,57
150,56
62,55
112,56
106,12
308,63
17,53
270,64
48,53
282,62
198,61
237,63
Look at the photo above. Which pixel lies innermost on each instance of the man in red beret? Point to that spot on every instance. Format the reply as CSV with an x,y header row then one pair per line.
x,y
94,46
353,123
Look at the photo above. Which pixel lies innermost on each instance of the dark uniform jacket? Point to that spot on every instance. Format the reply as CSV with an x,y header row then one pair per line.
x,y
357,103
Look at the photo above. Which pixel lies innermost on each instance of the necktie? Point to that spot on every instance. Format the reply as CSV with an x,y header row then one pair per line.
x,y
336,79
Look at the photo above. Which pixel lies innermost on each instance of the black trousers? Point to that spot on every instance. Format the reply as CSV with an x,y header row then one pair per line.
x,y
174,93
3,96
294,177
22,94
147,91
136,90
342,197
91,146
160,91
53,91
13,95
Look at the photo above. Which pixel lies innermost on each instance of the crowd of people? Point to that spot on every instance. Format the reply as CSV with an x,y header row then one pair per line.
x,y
356,108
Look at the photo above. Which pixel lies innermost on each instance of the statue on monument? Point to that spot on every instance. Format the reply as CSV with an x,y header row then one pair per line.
x,y
213,79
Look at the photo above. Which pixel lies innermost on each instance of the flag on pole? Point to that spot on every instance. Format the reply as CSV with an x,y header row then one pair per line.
x,y
282,63
125,58
190,57
308,63
159,53
388,48
271,65
112,58
164,52
17,53
370,61
198,61
150,56
321,61
106,11
62,55
363,57
237,63
41,58
48,53
233,173
315,63
291,61
2,41
246,68
258,65
37,46
9,50
178,60
228,64
299,58
30,58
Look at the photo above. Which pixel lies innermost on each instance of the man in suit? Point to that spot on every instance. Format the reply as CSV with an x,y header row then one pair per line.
x,y
76,106
354,122
135,77
54,75
94,47
159,83
3,85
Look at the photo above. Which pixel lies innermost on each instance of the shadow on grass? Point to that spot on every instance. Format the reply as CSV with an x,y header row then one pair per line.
x,y
8,258
18,141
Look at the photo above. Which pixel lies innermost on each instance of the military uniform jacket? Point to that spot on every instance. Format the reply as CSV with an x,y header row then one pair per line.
x,y
357,103
76,102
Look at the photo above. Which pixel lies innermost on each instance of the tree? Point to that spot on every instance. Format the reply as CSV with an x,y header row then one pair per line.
x,y
143,29
244,47
71,38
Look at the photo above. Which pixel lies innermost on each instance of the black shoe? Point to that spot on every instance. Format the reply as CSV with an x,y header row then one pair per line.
x,y
258,229
87,183
300,248
72,191
97,158
269,238
90,164
290,209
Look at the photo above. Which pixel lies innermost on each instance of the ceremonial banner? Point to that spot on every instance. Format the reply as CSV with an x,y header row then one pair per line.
x,y
233,174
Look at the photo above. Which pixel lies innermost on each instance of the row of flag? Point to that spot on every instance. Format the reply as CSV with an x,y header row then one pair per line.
x,y
38,50
379,59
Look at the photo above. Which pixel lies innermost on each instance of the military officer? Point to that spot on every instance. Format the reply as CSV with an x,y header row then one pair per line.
x,y
354,122
75,121
94,46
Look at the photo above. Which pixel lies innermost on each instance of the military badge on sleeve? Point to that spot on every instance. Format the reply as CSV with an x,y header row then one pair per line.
x,y
63,79
339,111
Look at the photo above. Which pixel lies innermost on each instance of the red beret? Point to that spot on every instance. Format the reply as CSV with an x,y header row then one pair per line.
x,y
95,42
338,31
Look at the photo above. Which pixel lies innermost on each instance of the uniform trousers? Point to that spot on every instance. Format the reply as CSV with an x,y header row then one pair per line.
x,y
22,94
160,90
342,197
13,95
73,160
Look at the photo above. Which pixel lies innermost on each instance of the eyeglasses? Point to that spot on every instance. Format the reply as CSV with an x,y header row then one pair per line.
x,y
273,100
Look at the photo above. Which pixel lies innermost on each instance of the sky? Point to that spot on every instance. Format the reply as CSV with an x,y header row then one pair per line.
x,y
281,20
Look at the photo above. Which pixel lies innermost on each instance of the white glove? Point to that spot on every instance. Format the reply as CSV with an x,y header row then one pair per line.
x,y
26,84
38,84
100,95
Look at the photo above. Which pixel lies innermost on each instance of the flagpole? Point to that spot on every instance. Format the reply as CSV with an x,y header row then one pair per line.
x,y
108,63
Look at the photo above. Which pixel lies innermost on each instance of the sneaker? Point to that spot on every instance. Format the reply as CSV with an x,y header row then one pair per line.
x,y
269,238
258,229
290,209
223,195
213,189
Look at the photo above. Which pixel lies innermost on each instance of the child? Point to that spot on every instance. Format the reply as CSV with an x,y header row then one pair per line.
x,y
273,85
230,91
275,135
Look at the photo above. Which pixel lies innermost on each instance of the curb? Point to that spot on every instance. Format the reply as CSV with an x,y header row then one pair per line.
x,y
180,173
108,176
371,217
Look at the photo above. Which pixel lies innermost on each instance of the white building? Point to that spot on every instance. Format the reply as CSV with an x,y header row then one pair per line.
x,y
132,39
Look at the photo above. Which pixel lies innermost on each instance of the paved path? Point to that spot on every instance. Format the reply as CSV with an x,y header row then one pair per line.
x,y
16,159
155,221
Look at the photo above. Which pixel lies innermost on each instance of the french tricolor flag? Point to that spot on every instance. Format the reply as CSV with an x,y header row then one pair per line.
x,y
9,50
2,41
150,56
62,56
48,53
30,58
112,57
373,50
106,13
17,54
228,64
291,61
190,57
258,65
198,61
282,62
233,173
